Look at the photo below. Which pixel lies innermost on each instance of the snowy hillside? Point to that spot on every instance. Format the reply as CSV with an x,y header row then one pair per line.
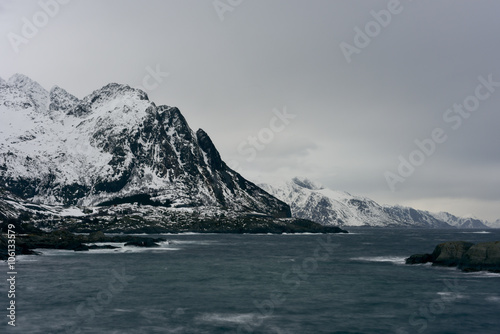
x,y
110,146
309,200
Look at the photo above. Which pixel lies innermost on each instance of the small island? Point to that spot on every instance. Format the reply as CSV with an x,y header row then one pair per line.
x,y
469,257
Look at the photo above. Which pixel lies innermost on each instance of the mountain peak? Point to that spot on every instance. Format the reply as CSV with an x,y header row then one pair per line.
x,y
115,90
19,78
56,90
208,147
306,183
24,82
2,81
61,100
33,89
114,98
116,146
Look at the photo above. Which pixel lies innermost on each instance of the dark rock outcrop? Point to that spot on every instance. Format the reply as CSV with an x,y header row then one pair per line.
x,y
102,247
62,239
482,256
20,249
97,236
449,254
464,255
419,259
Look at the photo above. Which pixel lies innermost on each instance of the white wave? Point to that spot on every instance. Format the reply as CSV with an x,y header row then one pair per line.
x,y
164,247
393,259
26,258
478,232
450,296
115,244
234,318
483,274
494,299
54,252
190,242
123,310
350,233
131,249
188,233
303,233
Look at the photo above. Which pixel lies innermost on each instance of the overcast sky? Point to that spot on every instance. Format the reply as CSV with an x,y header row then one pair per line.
x,y
354,83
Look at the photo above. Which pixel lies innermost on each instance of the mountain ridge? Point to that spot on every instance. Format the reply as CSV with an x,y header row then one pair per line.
x,y
56,149
338,208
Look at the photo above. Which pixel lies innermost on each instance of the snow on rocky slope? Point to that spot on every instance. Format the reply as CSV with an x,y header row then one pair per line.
x,y
113,145
310,200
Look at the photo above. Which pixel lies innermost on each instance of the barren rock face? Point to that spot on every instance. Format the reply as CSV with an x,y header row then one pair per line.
x,y
482,256
450,253
465,255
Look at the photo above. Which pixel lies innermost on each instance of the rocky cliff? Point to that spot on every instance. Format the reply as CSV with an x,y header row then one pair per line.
x,y
114,146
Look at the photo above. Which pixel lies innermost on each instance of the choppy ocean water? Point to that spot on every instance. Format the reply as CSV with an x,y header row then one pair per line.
x,y
355,283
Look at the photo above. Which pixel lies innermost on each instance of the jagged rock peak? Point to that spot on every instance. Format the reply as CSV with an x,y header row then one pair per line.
x,y
128,99
306,183
33,89
25,83
208,147
60,99
20,80
113,91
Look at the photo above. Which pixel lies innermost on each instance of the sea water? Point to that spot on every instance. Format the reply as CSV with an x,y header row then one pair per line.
x,y
217,283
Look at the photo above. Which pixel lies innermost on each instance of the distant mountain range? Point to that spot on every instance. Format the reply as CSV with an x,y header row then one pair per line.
x,y
310,200
117,160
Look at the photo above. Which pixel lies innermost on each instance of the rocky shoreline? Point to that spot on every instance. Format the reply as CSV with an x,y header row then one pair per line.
x,y
468,257
26,243
28,237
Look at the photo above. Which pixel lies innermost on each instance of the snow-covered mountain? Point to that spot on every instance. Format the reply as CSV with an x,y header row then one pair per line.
x,y
113,146
495,224
310,200
460,222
